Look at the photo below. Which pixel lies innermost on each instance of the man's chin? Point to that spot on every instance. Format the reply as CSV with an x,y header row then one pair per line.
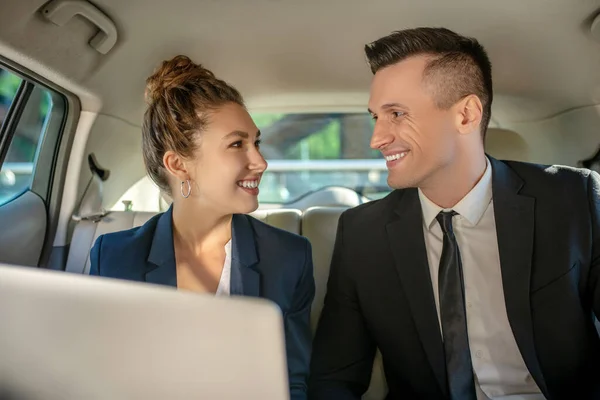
x,y
400,183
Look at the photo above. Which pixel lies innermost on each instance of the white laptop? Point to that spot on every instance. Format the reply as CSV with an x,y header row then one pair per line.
x,y
67,336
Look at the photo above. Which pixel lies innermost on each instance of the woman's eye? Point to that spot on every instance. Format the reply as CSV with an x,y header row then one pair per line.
x,y
236,144
257,143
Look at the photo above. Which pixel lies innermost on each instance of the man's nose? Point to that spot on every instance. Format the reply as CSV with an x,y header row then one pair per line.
x,y
381,137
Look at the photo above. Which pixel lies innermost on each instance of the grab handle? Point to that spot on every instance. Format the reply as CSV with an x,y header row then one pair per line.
x,y
60,12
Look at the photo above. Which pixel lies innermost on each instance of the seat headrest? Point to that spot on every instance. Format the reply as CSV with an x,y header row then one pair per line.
x,y
331,196
506,145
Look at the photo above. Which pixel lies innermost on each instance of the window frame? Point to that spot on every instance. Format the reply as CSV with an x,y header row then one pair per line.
x,y
49,185
13,116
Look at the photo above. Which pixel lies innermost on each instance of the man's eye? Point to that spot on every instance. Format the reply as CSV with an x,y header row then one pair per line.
x,y
374,117
397,114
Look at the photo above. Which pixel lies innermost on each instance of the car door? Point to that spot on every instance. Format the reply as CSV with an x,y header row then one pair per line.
x,y
33,117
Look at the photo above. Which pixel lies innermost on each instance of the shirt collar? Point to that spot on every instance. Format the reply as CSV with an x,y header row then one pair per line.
x,y
471,207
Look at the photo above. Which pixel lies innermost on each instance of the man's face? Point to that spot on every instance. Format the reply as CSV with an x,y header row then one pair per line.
x,y
416,137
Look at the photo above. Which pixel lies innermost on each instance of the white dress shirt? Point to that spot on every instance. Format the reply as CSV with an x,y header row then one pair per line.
x,y
224,288
500,372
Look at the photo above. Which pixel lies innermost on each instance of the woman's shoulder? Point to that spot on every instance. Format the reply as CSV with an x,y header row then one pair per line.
x,y
123,238
274,235
113,249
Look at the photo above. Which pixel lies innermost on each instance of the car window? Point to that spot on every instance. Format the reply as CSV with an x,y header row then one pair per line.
x,y
307,152
9,84
26,138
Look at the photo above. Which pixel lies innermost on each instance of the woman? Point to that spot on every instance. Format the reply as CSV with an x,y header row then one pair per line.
x,y
201,147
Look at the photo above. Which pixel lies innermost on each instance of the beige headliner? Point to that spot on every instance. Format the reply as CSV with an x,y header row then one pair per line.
x,y
293,54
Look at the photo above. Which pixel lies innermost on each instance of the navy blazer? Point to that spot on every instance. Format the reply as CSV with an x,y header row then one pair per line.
x,y
266,262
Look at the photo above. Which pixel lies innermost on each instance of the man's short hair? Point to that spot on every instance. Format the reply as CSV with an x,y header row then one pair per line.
x,y
459,65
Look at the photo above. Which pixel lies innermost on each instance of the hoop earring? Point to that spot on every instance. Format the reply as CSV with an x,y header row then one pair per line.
x,y
189,188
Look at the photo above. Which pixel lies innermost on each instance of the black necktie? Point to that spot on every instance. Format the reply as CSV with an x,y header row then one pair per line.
x,y
453,315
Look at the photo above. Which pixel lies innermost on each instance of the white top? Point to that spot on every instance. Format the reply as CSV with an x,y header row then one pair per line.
x,y
500,372
224,288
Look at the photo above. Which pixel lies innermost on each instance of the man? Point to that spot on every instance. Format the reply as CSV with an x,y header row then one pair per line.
x,y
476,278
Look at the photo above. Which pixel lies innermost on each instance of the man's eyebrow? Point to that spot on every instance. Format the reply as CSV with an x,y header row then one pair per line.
x,y
387,106
393,105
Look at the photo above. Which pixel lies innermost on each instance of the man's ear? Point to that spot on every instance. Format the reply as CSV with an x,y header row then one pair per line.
x,y
469,112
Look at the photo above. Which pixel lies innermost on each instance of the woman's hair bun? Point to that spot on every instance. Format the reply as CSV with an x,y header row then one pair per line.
x,y
174,73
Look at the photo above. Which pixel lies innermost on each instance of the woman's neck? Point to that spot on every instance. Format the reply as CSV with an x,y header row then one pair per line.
x,y
199,229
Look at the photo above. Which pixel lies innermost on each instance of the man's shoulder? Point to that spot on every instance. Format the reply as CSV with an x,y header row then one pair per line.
x,y
375,210
549,176
551,171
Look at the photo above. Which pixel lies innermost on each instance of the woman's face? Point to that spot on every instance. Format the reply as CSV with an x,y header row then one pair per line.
x,y
227,166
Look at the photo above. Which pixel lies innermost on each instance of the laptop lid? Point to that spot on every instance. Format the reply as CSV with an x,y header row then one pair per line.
x,y
69,336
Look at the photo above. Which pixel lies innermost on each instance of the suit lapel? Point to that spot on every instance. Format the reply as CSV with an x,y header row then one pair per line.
x,y
408,248
161,259
245,280
515,218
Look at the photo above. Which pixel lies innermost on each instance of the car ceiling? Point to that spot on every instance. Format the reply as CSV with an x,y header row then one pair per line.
x,y
293,55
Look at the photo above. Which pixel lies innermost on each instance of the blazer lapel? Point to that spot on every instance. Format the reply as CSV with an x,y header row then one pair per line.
x,y
408,247
514,215
161,259
245,280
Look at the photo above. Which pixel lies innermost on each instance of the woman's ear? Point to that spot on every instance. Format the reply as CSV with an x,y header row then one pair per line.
x,y
175,166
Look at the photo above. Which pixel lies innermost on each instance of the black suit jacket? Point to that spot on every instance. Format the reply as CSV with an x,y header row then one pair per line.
x,y
379,292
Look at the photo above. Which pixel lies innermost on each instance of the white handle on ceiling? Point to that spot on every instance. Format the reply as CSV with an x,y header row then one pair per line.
x,y
60,12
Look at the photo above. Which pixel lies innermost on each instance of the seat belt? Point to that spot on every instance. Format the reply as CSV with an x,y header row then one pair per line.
x,y
87,219
81,243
